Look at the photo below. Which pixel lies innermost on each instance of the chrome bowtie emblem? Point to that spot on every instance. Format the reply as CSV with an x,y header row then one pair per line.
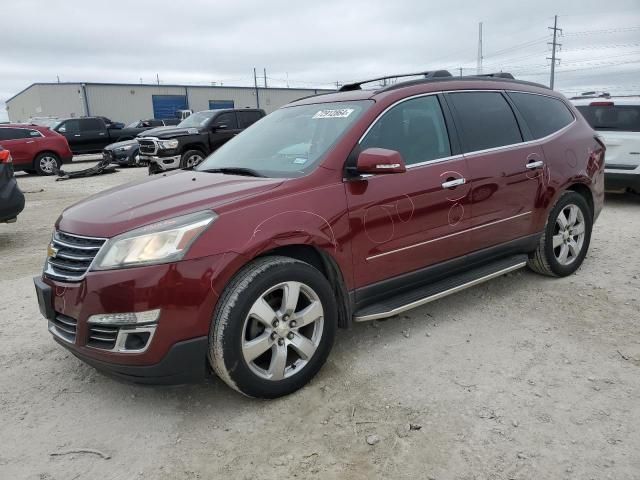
x,y
52,251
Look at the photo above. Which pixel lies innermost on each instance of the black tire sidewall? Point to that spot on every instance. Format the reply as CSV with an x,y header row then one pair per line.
x,y
36,163
580,202
246,380
187,154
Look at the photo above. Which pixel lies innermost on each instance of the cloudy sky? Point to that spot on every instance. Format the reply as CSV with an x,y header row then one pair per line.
x,y
314,44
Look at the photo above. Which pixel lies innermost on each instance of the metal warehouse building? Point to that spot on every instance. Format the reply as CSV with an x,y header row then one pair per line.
x,y
130,102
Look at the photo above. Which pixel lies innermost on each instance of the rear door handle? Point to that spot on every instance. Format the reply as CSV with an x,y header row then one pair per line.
x,y
535,164
454,183
76,135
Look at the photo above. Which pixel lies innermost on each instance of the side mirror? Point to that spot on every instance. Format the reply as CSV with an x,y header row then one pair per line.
x,y
380,161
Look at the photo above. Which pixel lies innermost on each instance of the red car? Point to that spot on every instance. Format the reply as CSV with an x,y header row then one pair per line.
x,y
34,148
342,207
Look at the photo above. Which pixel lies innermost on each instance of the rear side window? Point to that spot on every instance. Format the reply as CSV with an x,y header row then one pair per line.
x,y
13,133
91,125
622,118
544,115
70,126
246,119
485,120
415,128
228,119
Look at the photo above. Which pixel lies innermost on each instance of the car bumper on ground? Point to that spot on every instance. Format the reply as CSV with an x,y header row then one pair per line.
x,y
175,350
162,163
622,180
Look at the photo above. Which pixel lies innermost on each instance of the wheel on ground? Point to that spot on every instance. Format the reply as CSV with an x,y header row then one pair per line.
x,y
565,240
273,327
47,164
191,158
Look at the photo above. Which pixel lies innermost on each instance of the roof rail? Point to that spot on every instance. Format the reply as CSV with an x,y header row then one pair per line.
x,y
494,75
358,85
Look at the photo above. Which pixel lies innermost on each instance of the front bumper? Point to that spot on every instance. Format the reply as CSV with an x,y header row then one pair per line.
x,y
619,180
185,292
162,163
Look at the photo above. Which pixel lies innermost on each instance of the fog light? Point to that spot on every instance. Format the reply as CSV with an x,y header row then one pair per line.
x,y
128,318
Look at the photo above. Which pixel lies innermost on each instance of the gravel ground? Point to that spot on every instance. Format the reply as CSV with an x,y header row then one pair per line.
x,y
523,377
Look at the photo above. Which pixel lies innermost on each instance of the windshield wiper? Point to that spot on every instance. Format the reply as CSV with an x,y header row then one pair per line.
x,y
233,171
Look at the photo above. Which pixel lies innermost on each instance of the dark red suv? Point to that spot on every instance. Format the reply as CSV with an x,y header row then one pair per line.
x,y
34,148
343,207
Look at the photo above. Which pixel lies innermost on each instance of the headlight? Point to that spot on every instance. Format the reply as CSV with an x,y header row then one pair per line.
x,y
162,242
124,148
168,144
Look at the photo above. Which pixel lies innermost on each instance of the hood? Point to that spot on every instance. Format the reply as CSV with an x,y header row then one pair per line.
x,y
113,146
170,132
157,198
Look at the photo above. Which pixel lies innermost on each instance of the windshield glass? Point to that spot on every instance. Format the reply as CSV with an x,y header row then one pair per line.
x,y
133,125
199,119
288,142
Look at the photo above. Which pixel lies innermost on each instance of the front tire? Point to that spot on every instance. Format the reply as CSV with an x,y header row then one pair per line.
x,y
273,327
566,237
47,164
191,158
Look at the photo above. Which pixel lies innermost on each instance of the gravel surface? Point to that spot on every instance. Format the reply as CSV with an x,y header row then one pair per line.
x,y
523,377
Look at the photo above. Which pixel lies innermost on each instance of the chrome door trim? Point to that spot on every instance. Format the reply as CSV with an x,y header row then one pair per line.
x,y
436,296
462,232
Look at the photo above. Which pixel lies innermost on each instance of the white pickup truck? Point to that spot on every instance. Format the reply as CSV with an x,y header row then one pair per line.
x,y
617,121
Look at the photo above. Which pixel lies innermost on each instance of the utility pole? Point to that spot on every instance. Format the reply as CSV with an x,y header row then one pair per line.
x,y
58,78
479,67
265,78
255,83
554,45
460,68
158,79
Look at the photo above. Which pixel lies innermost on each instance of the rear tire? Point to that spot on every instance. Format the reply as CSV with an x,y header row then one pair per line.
x,y
565,239
47,164
191,158
273,327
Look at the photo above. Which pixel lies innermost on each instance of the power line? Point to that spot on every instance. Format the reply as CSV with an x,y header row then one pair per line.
x,y
603,31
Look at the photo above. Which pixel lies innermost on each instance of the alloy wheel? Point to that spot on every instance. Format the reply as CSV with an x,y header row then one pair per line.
x,y
568,234
193,160
282,330
48,164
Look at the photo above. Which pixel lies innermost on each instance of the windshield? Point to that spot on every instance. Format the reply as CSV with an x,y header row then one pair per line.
x,y
199,119
288,142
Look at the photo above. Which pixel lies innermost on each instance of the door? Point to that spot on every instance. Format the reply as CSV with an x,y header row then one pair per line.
x,y
19,143
167,106
94,134
248,118
70,129
403,222
223,128
507,174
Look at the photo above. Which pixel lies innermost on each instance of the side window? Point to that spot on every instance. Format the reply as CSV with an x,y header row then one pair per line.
x,y
485,120
10,134
544,115
228,119
70,126
415,128
91,125
33,133
246,119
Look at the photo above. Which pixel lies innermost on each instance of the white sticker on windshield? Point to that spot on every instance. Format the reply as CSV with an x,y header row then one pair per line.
x,y
300,161
334,113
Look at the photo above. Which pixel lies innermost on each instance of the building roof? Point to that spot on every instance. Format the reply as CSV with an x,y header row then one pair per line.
x,y
176,85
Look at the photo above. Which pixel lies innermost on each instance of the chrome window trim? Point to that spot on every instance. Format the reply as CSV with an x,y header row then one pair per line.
x,y
461,232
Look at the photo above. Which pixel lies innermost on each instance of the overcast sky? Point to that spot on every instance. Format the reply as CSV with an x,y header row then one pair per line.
x,y
313,44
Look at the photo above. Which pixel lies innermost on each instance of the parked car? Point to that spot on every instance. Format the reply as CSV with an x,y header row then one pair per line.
x,y
92,134
617,121
194,138
11,197
349,206
34,148
124,153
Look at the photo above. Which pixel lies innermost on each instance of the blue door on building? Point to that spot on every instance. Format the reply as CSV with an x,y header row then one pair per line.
x,y
218,104
165,106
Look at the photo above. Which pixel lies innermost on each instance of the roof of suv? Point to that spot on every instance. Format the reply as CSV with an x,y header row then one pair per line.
x,y
30,126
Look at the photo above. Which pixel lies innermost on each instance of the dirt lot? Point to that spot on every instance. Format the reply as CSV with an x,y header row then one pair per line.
x,y
523,377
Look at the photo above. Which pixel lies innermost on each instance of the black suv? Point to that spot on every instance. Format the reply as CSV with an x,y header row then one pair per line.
x,y
194,138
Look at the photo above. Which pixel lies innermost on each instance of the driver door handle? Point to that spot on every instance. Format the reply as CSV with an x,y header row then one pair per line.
x,y
454,183
535,164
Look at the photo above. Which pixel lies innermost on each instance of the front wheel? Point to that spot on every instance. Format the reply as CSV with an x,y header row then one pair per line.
x,y
273,327
191,158
565,240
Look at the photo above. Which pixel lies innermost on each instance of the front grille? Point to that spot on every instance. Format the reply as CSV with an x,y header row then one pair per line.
x,y
147,146
64,327
102,336
70,256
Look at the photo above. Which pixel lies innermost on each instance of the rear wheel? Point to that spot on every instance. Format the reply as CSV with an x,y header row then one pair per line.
x,y
565,240
191,158
273,328
47,164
